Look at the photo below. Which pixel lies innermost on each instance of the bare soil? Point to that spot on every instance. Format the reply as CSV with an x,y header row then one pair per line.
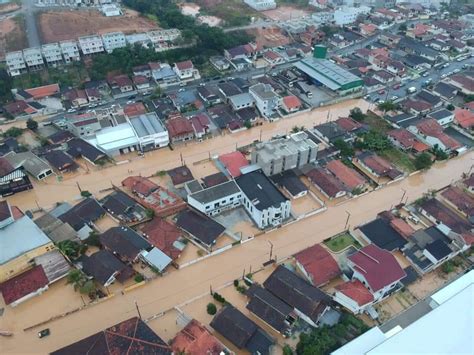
x,y
12,35
284,13
8,7
57,26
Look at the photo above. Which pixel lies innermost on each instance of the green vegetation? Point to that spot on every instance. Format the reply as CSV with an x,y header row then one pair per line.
x,y
149,213
399,158
211,309
447,267
219,298
13,132
377,123
345,148
80,282
357,114
68,76
450,107
439,153
93,240
287,350
71,248
138,278
32,124
387,106
297,129
85,193
374,141
5,86
340,242
467,98
423,161
234,13
248,124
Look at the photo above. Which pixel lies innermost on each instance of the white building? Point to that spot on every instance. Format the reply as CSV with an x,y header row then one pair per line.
x,y
52,54
168,35
120,139
111,10
266,100
141,39
33,58
91,44
261,5
216,199
150,131
70,51
267,206
113,40
15,63
186,71
346,14
322,18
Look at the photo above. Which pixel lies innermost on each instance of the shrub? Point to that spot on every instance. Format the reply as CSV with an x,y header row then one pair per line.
x,y
218,298
447,267
138,278
423,161
211,309
287,350
85,193
236,283
32,124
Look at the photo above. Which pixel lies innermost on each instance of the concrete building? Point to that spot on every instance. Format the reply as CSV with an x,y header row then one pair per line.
x,y
15,63
346,15
267,101
322,18
120,139
111,10
150,131
283,154
113,40
70,51
33,58
267,206
52,54
186,71
261,5
168,35
216,199
91,44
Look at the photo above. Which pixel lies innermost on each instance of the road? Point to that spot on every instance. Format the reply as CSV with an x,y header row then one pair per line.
x,y
179,286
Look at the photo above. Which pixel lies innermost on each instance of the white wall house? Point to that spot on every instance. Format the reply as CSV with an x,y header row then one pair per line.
x,y
52,54
113,40
91,44
33,58
15,63
261,5
186,71
347,14
216,199
70,51
266,100
168,35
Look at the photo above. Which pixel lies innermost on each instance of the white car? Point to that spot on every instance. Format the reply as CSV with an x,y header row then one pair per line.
x,y
444,76
455,71
394,97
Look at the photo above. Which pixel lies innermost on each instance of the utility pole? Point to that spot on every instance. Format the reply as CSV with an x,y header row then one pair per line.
x,y
347,220
181,157
271,249
78,186
404,193
138,310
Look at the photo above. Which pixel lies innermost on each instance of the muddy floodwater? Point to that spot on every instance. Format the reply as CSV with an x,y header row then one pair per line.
x,y
179,286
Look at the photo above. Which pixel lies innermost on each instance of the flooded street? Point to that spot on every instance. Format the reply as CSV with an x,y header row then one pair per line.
x,y
179,286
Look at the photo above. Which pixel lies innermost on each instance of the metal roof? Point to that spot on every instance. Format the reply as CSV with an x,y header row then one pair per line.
x,y
157,258
147,125
113,138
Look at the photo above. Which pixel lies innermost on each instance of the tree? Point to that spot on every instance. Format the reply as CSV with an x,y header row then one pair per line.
x,y
71,248
344,147
374,141
211,309
287,350
357,114
80,282
469,98
423,161
439,153
13,132
450,107
150,213
403,28
387,106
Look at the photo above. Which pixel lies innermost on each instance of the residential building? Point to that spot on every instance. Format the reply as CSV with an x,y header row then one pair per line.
x,y
201,229
124,242
216,199
354,296
195,338
241,101
150,131
29,163
91,44
377,269
24,286
317,265
233,163
113,40
70,51
348,176
111,10
386,232
290,183
105,268
261,5
326,183
123,208
180,129
431,132
266,99
267,206
291,104
346,15
377,166
164,35
16,64
76,97
443,116
165,236
33,58
52,54
84,124
186,71
278,155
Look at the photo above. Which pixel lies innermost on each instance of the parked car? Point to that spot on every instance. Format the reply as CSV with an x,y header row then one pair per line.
x,y
381,92
44,333
396,86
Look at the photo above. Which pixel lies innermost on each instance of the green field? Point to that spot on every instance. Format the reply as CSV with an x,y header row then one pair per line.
x,y
341,241
399,158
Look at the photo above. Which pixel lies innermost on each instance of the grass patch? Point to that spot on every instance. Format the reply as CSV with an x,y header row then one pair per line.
x,y
377,123
71,75
399,158
233,12
341,241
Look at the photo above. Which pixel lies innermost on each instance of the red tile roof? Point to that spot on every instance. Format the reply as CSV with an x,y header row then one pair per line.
x,y
325,181
464,118
5,167
196,339
420,147
163,234
402,227
348,176
135,109
465,82
431,127
233,162
378,266
140,79
140,185
357,291
43,91
318,264
348,124
184,65
23,284
463,201
16,108
179,126
404,137
469,106
291,102
271,55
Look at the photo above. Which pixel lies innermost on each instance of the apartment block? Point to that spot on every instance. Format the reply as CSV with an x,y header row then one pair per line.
x,y
15,63
91,44
33,58
279,155
52,54
169,35
113,40
266,100
70,51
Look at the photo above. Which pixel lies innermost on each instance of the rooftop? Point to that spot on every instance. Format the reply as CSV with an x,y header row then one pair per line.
x,y
124,242
102,266
325,181
180,175
195,339
216,192
23,284
348,176
147,125
199,226
164,235
233,162
356,291
318,264
382,234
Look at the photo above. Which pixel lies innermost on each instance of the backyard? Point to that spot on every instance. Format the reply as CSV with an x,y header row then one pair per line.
x,y
399,158
341,242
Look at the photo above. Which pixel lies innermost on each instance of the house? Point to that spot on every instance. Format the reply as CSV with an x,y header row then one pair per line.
x,y
429,98
60,161
246,51
179,129
82,216
76,97
122,86
202,229
132,335
316,265
308,302
201,124
242,332
233,163
12,179
241,101
377,269
273,58
186,71
208,95
105,268
269,308
216,199
351,179
16,257
60,137
261,5
367,29
180,175
267,206
150,131
79,148
91,44
416,107
290,183
220,63
383,76
291,104
8,145
164,75
228,89
330,132
124,242
214,179
377,166
383,233
24,286
266,100
430,132
134,109
464,84
165,236
354,296
326,183
196,339
30,163
464,118
406,140
122,207
443,116
143,70
55,229
142,83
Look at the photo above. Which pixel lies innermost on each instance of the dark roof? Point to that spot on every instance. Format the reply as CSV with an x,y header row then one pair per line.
x,y
60,136
214,179
400,118
5,167
132,336
8,145
438,249
180,175
290,182
199,226
269,308
102,265
428,97
383,235
124,242
411,277
260,190
446,90
78,147
5,212
240,330
118,202
296,292
331,131
444,215
59,160
85,212
229,89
